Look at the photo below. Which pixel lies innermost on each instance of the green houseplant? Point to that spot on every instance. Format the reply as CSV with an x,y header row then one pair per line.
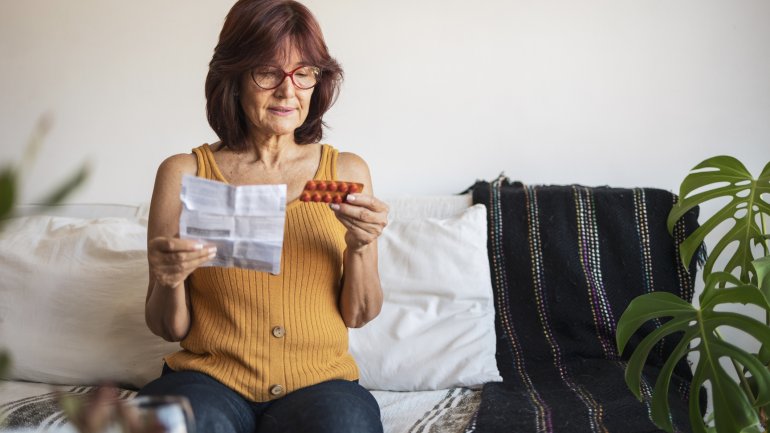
x,y
736,272
10,181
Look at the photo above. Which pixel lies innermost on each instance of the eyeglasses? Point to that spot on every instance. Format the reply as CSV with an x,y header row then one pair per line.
x,y
270,77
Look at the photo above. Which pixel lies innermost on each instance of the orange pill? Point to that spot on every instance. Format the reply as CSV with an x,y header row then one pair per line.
x,y
327,198
337,199
342,187
316,197
310,185
353,188
321,185
305,196
332,186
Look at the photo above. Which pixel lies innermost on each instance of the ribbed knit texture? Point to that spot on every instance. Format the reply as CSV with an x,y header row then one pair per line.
x,y
235,311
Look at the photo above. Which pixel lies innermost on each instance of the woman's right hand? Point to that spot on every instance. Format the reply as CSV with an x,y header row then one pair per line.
x,y
172,260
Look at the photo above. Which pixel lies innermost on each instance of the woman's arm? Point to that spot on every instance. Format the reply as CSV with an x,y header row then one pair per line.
x,y
171,260
364,217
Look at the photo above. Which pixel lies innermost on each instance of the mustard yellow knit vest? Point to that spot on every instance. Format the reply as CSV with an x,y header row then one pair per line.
x,y
267,335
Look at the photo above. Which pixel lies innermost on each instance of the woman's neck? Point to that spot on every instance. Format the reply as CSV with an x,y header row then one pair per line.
x,y
272,150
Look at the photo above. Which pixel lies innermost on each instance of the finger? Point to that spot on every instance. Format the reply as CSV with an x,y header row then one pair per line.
x,y
361,213
169,244
360,230
354,223
195,261
178,257
347,222
352,226
190,266
369,201
173,274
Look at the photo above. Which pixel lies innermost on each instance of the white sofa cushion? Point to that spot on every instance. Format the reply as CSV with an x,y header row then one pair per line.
x,y
436,329
433,206
72,301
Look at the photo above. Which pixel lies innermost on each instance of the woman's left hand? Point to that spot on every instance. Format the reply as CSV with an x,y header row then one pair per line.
x,y
364,216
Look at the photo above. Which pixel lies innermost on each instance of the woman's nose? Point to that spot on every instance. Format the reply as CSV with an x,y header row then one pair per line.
x,y
286,88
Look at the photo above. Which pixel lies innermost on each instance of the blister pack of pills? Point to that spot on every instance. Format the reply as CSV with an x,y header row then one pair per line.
x,y
329,191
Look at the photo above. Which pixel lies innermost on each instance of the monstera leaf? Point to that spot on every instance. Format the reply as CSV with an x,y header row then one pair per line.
x,y
735,408
726,177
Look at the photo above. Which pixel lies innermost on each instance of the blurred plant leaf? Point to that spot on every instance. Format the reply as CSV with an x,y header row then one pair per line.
x,y
92,412
35,142
7,191
65,189
5,364
734,409
725,177
70,405
10,181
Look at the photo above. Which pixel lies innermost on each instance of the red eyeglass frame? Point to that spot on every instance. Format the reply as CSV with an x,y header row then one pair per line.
x,y
289,74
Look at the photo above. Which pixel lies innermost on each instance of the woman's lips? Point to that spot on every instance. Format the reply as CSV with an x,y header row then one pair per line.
x,y
281,111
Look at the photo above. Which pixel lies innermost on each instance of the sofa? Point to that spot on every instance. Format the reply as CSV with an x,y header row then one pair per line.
x,y
499,313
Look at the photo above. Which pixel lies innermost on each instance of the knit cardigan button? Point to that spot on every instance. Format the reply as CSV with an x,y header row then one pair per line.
x,y
279,332
276,390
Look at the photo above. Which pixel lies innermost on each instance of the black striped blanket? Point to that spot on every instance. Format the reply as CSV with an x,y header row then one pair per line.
x,y
40,411
565,262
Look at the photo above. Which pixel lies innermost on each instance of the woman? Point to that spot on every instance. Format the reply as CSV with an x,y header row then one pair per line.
x,y
261,352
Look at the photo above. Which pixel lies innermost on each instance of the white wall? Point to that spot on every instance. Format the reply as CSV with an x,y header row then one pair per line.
x,y
438,92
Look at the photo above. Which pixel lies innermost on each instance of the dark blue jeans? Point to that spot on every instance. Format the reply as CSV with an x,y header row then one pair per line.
x,y
336,406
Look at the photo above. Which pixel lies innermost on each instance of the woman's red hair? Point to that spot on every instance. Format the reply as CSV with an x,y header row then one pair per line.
x,y
255,33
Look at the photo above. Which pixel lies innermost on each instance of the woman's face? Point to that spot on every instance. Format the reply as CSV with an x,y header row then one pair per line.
x,y
278,111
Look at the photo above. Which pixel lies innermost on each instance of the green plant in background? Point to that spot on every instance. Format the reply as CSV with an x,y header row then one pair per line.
x,y
10,182
741,398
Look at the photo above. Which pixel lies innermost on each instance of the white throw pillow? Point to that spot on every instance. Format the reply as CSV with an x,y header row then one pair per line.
x,y
72,301
432,206
436,329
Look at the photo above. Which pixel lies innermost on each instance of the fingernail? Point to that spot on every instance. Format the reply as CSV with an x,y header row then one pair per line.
x,y
351,197
212,250
334,206
198,246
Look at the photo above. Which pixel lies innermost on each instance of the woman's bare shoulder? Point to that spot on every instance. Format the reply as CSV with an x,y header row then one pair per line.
x,y
165,206
352,163
178,165
352,167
